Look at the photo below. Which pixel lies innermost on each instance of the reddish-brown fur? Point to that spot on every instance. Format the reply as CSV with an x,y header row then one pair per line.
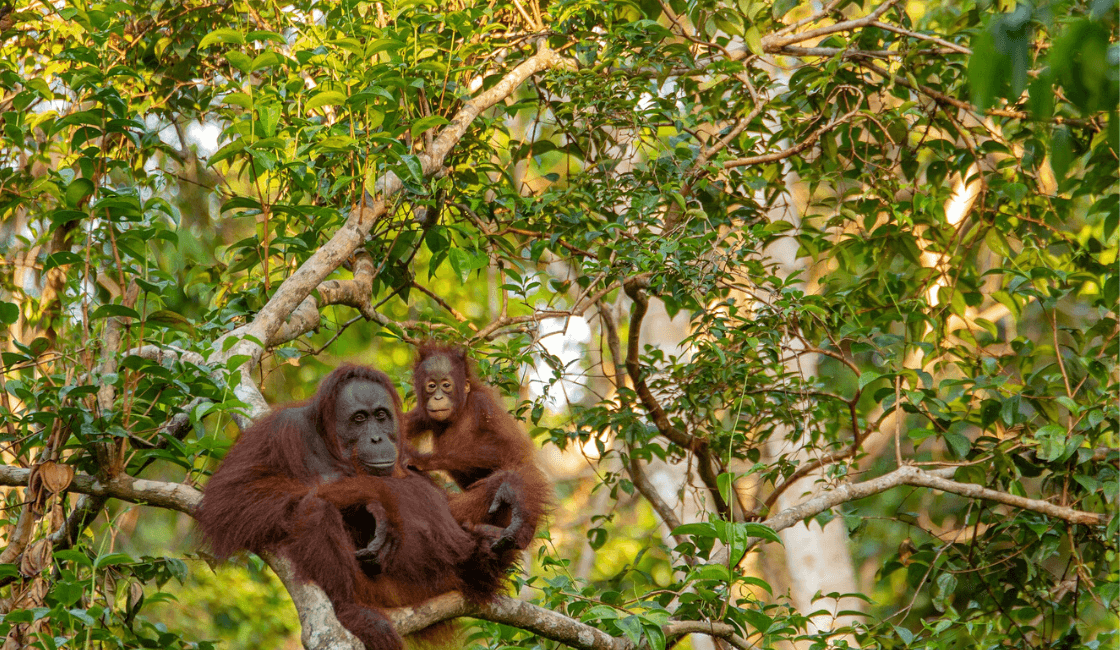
x,y
481,446
269,494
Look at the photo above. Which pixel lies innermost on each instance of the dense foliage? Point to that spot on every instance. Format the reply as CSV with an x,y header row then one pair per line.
x,y
865,249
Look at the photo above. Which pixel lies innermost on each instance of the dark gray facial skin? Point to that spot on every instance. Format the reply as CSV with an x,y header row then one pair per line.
x,y
366,425
440,388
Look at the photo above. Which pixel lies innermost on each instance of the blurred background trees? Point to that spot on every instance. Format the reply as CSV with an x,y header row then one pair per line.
x,y
810,306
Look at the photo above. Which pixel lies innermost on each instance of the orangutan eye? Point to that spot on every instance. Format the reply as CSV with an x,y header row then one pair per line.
x,y
431,386
359,418
447,386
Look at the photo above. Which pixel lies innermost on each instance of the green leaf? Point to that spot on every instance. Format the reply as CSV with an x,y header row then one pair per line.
x,y
171,319
325,98
78,190
222,35
958,444
261,35
758,620
697,530
383,45
996,243
423,124
9,313
239,60
1052,442
782,7
226,152
761,530
754,41
244,100
983,71
414,167
111,559
105,311
74,556
631,626
265,60
943,591
337,143
1061,151
465,262
906,635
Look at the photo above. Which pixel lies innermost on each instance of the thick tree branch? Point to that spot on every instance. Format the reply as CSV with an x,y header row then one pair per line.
x,y
723,631
543,622
912,475
345,241
509,611
356,292
321,631
923,478
161,494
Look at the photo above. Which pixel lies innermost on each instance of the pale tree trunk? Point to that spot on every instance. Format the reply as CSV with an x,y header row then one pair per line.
x,y
673,482
817,559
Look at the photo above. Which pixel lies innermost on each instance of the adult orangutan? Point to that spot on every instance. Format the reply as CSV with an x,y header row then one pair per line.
x,y
323,484
478,443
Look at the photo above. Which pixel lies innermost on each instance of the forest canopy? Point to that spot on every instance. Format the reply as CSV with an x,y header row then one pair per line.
x,y
810,308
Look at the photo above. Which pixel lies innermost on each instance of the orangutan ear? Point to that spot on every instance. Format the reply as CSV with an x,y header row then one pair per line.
x,y
467,388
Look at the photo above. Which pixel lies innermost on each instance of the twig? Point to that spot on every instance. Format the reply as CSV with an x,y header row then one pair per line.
x,y
800,146
898,420
774,42
649,491
443,303
922,37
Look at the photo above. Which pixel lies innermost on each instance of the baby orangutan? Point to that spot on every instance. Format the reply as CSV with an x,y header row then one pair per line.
x,y
479,444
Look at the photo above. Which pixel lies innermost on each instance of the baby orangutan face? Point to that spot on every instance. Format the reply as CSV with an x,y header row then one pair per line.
x,y
445,387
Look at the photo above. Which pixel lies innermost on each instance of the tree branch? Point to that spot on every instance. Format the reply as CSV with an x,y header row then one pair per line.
x,y
724,631
912,475
161,494
698,446
263,331
923,37
649,491
508,611
773,43
922,478
797,148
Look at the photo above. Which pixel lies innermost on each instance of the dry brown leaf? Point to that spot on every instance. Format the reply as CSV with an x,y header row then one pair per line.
x,y
36,558
33,595
57,518
135,596
36,493
56,477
